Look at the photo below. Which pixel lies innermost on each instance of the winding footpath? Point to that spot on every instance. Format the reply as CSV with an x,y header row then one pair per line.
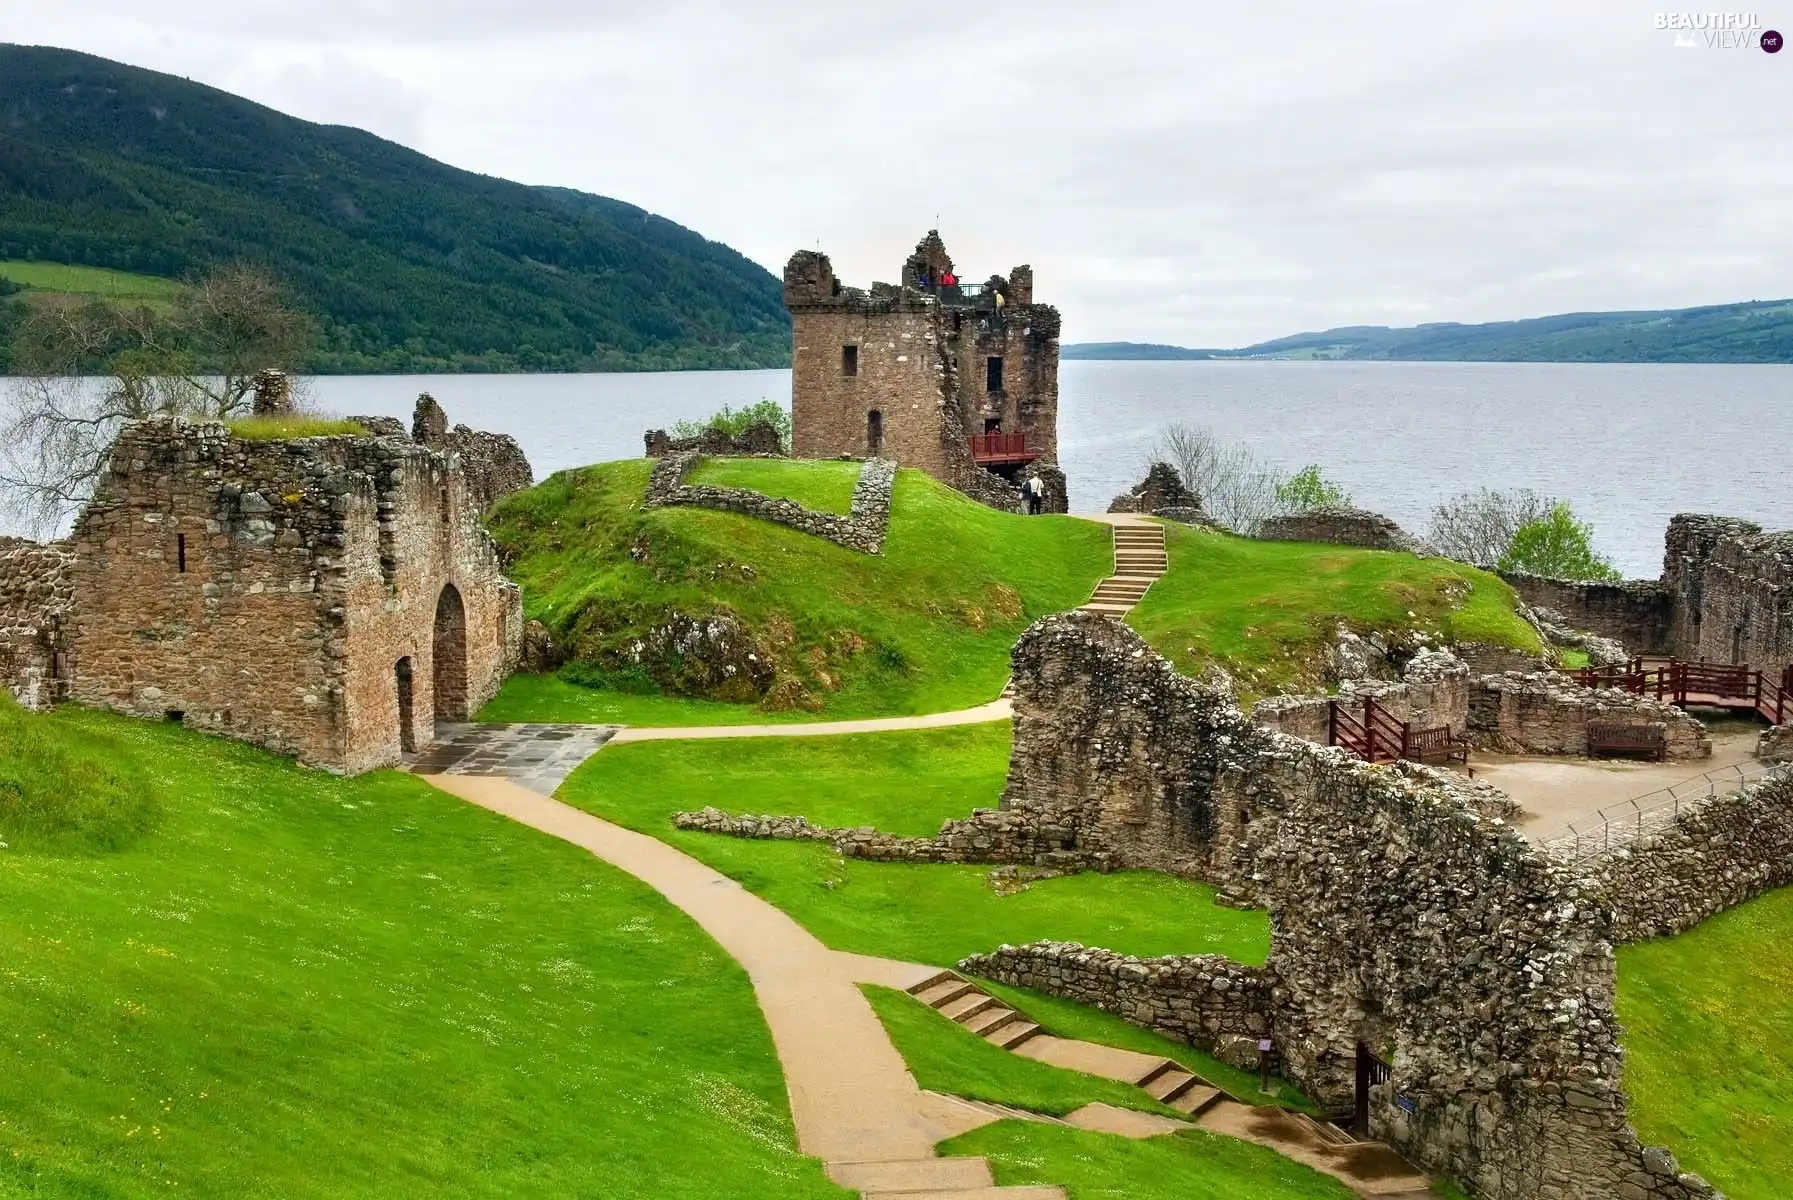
x,y
853,1102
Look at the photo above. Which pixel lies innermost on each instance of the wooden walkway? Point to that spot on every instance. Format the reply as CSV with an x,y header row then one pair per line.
x,y
1735,686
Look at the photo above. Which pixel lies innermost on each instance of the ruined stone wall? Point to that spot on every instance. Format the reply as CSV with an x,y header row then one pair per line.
x,y
1708,859
492,465
1403,918
1340,526
35,591
987,836
1637,614
267,590
862,529
1547,714
1202,1000
1776,745
1433,692
1733,587
758,440
1162,493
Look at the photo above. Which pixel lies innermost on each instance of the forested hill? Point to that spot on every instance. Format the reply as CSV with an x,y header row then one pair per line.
x,y
1759,331
409,264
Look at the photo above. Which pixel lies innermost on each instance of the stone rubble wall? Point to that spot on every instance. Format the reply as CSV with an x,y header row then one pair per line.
x,y
1635,613
1340,526
758,440
1403,917
1546,713
1485,659
1776,745
862,530
1557,631
987,836
492,465
1203,1000
1434,691
1162,494
1710,858
36,590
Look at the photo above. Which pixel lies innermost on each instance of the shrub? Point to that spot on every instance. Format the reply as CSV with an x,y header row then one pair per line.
x,y
1308,489
1478,527
1558,546
734,422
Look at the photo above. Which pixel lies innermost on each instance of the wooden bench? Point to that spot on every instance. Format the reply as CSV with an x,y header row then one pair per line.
x,y
1639,741
1438,744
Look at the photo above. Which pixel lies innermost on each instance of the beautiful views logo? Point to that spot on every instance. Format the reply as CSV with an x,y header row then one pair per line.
x,y
1720,31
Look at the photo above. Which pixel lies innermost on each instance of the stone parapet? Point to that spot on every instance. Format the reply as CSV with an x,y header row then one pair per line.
x,y
1340,526
987,836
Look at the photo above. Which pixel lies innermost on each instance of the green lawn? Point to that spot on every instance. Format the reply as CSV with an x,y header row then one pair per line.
x,y
929,914
820,486
1181,1166
1708,1021
946,1057
89,281
924,627
297,425
1267,610
296,985
1067,1018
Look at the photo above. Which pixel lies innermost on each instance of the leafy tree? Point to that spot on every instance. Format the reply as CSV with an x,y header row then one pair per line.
x,y
83,371
1308,489
735,421
1478,527
1558,546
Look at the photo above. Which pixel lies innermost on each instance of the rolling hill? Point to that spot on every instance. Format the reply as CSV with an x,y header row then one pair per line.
x,y
1758,331
409,264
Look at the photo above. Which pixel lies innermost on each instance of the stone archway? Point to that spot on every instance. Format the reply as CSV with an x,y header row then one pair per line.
x,y
448,656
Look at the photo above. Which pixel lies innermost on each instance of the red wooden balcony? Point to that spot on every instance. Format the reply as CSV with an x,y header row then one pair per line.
x,y
1001,448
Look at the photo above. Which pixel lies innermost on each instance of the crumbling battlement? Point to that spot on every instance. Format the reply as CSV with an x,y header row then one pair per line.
x,y
1725,595
1404,919
492,465
914,371
329,598
1341,526
35,592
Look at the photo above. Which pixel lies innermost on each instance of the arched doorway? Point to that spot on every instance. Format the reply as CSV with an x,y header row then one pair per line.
x,y
407,729
874,433
448,656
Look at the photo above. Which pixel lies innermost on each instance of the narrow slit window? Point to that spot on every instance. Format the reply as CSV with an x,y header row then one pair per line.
x,y
874,433
993,373
849,360
180,552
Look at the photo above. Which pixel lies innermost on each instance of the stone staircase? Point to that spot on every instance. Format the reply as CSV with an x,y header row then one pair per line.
x,y
1139,560
932,1179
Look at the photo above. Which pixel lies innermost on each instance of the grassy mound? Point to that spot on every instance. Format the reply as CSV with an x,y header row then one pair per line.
x,y
1708,1020
292,425
308,987
1268,610
63,791
926,626
820,486
907,782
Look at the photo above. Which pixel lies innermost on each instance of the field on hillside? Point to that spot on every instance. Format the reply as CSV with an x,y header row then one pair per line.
x,y
924,627
1708,1036
910,783
1267,611
97,282
288,984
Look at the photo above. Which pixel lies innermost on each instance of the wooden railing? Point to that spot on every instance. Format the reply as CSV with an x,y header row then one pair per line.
x,y
1720,685
1376,735
1001,447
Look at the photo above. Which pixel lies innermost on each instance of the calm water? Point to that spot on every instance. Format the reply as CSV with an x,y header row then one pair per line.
x,y
1627,445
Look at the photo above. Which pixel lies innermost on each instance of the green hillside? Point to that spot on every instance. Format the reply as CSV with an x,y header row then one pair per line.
x,y
924,627
410,264
1756,331
296,985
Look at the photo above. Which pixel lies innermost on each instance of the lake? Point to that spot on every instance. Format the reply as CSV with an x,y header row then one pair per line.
x,y
1627,445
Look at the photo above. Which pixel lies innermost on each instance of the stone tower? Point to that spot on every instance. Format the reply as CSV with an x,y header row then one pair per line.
x,y
957,379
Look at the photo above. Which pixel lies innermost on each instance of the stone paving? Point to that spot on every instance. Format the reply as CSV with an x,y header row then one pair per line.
x,y
538,757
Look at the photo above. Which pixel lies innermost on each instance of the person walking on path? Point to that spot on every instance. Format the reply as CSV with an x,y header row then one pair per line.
x,y
1264,1046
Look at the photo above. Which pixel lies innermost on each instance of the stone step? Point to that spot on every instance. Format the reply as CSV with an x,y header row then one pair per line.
x,y
937,978
989,1193
1133,586
1013,1034
1327,1132
942,994
988,1017
1170,1085
912,1175
964,1007
1108,610
1198,1100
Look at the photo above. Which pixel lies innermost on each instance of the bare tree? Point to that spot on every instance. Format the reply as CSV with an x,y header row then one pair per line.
x,y
84,371
1478,527
1236,489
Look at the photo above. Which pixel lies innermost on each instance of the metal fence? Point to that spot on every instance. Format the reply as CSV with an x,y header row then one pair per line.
x,y
1622,824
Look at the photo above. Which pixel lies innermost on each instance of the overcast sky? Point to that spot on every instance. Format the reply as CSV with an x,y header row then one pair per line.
x,y
1203,174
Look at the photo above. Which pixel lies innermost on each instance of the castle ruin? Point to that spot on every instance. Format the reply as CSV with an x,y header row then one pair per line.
x,y
957,379
331,598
